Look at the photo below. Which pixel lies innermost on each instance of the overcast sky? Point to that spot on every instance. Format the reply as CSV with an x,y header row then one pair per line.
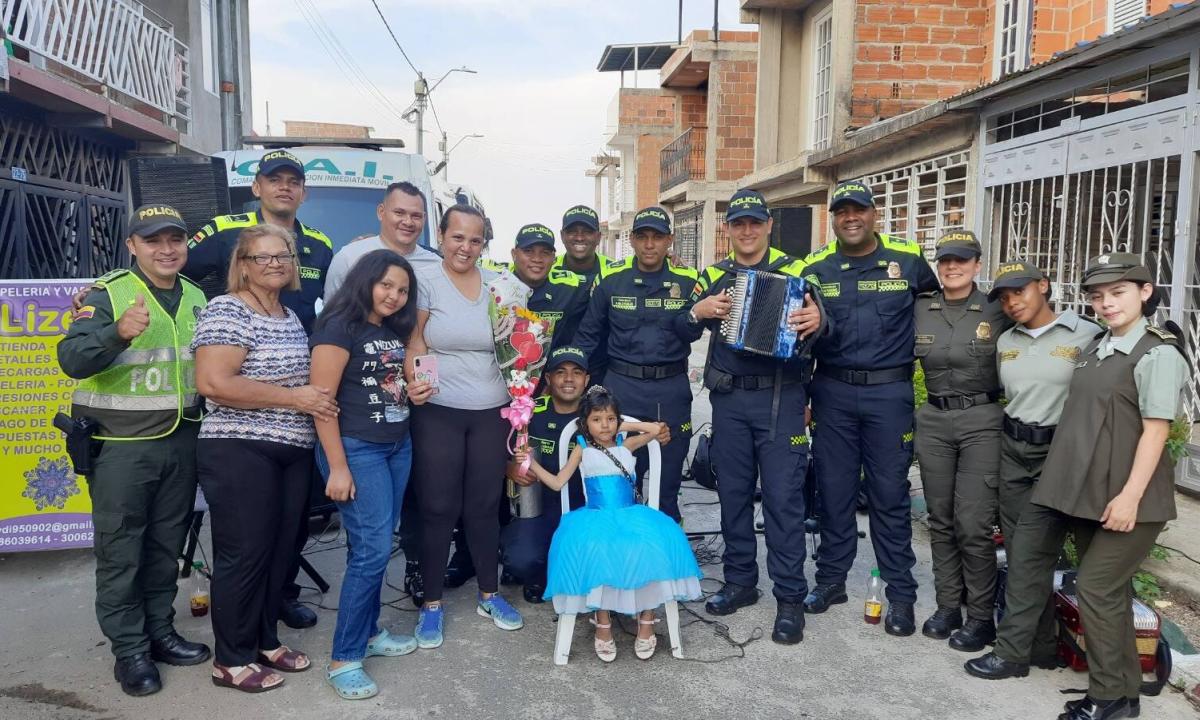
x,y
537,97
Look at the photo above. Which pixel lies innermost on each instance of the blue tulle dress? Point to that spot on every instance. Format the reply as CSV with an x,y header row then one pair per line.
x,y
615,553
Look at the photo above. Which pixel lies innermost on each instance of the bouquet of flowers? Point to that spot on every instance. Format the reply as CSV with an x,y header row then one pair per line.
x,y
522,340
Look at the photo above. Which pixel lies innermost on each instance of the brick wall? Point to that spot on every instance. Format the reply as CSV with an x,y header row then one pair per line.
x,y
909,54
693,111
649,170
1059,24
641,108
305,128
734,131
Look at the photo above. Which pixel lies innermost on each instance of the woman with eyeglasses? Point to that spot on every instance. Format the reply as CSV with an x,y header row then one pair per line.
x,y
255,453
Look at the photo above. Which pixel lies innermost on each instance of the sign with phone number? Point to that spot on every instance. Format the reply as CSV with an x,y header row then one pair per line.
x,y
43,504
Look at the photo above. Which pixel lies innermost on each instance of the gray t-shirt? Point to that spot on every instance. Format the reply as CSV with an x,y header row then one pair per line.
x,y
1036,371
459,333
345,258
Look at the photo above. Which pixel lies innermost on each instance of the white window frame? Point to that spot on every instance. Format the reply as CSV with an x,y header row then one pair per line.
x,y
208,47
821,119
1018,56
923,212
1121,13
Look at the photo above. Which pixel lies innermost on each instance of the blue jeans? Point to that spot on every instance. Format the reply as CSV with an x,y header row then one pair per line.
x,y
380,472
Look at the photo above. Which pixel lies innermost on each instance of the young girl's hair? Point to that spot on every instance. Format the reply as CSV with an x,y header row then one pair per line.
x,y
355,299
1149,307
596,398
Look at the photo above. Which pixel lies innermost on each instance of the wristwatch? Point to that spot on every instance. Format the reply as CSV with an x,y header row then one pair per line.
x,y
692,317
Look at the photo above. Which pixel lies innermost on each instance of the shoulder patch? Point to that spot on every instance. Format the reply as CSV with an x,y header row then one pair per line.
x,y
316,235
1164,335
541,403
559,276
110,276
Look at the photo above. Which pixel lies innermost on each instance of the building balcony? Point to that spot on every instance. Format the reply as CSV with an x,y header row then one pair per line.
x,y
682,159
107,63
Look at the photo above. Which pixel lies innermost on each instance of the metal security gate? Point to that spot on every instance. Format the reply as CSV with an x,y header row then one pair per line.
x,y
689,234
925,200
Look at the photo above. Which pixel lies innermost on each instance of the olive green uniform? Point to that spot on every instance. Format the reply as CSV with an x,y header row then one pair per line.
x,y
142,490
1114,387
958,444
1036,373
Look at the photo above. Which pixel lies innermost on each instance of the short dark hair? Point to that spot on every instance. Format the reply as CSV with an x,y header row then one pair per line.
x,y
407,188
444,223
354,300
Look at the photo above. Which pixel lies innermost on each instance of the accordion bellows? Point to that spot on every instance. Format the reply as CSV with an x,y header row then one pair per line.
x,y
757,321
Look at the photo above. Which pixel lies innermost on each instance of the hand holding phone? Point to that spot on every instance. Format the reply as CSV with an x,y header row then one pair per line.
x,y
426,370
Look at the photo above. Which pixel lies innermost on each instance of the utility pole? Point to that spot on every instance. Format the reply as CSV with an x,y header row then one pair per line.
x,y
421,90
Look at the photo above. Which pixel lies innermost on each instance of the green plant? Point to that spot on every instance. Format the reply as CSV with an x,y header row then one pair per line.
x,y
1178,437
1145,583
920,394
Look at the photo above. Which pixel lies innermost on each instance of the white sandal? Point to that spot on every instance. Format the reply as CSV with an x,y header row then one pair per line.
x,y
644,648
606,650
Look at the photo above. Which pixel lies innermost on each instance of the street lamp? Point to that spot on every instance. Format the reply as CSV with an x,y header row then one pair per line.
x,y
422,89
444,164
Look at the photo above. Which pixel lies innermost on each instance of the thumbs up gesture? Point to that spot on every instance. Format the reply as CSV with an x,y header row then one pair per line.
x,y
134,320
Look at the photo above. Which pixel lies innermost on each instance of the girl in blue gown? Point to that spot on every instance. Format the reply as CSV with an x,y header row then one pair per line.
x,y
615,554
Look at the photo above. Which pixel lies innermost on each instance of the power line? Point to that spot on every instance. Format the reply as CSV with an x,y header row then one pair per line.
x,y
395,39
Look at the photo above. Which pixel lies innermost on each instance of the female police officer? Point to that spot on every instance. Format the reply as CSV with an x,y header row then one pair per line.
x,y
958,442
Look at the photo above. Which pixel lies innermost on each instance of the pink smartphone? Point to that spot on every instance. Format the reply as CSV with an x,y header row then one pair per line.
x,y
426,368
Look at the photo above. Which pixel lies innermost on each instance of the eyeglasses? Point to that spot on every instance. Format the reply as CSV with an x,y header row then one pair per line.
x,y
284,259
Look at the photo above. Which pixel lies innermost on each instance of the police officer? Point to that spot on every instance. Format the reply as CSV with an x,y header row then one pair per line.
x,y
129,348
558,294
1124,393
958,442
758,407
581,237
1036,359
525,542
633,312
279,186
862,400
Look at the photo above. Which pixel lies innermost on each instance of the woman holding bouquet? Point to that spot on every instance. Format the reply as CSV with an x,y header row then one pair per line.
x,y
459,437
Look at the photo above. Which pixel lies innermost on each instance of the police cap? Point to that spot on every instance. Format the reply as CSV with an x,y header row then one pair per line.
x,y
566,354
747,203
652,218
581,215
1114,267
852,191
535,234
149,219
960,244
278,160
1014,274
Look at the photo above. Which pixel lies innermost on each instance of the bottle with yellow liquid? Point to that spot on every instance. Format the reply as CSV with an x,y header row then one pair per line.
x,y
873,608
199,599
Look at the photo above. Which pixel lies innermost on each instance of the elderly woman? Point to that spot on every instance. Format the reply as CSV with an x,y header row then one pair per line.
x,y
459,437
254,456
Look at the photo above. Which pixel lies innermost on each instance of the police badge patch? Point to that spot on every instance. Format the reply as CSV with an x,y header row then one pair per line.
x,y
675,292
983,331
893,270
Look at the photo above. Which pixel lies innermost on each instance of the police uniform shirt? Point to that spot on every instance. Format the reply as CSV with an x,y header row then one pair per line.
x,y
956,343
563,298
209,253
870,303
589,275
633,314
545,428
723,357
1036,371
1159,374
92,343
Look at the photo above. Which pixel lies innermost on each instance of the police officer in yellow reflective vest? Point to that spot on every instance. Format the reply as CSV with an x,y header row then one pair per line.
x,y
129,347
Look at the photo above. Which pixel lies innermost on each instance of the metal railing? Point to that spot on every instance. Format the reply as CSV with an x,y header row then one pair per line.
x,y
118,43
683,159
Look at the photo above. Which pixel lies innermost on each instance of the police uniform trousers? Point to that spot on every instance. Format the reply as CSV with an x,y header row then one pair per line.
x,y
959,455
667,400
747,446
1107,563
142,492
1020,467
864,430
525,542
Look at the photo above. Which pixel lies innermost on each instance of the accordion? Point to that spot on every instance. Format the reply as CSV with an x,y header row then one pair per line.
x,y
757,321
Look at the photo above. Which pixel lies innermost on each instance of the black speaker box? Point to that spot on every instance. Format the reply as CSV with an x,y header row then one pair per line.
x,y
196,186
792,232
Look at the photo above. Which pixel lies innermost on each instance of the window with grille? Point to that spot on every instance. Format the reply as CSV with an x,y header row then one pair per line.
x,y
922,201
822,120
1124,12
1012,36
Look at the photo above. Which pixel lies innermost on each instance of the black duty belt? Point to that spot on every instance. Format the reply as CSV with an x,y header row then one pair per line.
x,y
961,402
1032,434
648,372
759,382
865,377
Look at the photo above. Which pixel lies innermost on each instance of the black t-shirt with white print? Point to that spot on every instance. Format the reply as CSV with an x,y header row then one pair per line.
x,y
372,398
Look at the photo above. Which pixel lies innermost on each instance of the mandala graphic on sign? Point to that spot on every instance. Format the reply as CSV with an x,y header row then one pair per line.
x,y
50,483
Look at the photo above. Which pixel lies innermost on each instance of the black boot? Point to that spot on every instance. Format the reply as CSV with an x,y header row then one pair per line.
x,y
414,584
789,623
138,675
459,570
900,620
975,635
731,597
1091,709
295,615
533,593
174,650
994,667
942,622
822,596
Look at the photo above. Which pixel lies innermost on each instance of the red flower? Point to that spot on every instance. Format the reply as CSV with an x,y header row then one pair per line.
x,y
521,325
521,364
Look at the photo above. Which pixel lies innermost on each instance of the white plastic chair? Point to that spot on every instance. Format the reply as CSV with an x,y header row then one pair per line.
x,y
566,621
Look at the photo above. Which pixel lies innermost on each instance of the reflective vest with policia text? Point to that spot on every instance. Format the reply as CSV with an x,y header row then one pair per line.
x,y
146,390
